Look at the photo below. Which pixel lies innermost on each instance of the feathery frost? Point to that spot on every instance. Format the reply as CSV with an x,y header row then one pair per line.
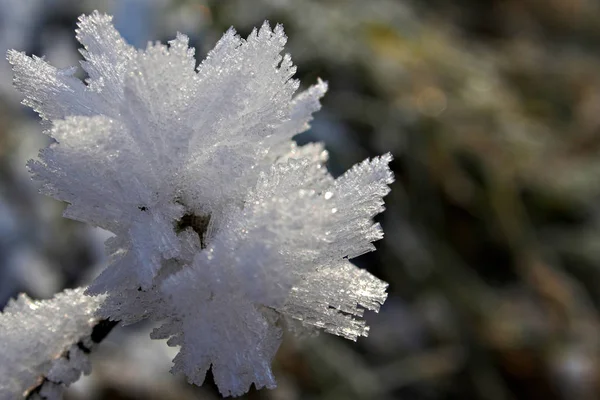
x,y
225,229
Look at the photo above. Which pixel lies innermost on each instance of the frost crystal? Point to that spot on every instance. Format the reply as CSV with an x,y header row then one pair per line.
x,y
36,336
225,230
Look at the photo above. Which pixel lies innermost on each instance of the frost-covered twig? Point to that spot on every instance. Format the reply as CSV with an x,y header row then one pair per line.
x,y
52,385
225,229
45,343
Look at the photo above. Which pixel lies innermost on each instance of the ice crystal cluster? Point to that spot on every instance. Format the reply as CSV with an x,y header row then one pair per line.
x,y
37,336
224,229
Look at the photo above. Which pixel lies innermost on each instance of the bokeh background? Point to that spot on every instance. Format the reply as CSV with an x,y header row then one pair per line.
x,y
492,248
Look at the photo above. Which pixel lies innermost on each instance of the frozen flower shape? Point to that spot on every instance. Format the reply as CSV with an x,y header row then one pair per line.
x,y
225,230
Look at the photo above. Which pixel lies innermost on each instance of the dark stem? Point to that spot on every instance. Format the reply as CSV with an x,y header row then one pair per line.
x,y
99,332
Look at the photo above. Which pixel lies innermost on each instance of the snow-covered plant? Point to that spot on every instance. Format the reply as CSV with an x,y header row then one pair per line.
x,y
225,230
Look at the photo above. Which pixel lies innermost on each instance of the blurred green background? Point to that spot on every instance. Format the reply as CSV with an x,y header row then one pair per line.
x,y
492,248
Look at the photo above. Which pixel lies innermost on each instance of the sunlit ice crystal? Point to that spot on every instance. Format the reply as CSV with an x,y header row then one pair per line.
x,y
224,229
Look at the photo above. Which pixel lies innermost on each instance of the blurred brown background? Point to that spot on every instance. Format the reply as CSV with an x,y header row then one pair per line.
x,y
492,247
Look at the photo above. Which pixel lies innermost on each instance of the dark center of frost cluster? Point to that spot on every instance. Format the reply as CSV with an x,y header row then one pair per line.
x,y
199,223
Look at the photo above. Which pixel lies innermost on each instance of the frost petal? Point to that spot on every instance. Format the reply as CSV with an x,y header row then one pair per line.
x,y
328,298
106,55
216,327
303,106
51,92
